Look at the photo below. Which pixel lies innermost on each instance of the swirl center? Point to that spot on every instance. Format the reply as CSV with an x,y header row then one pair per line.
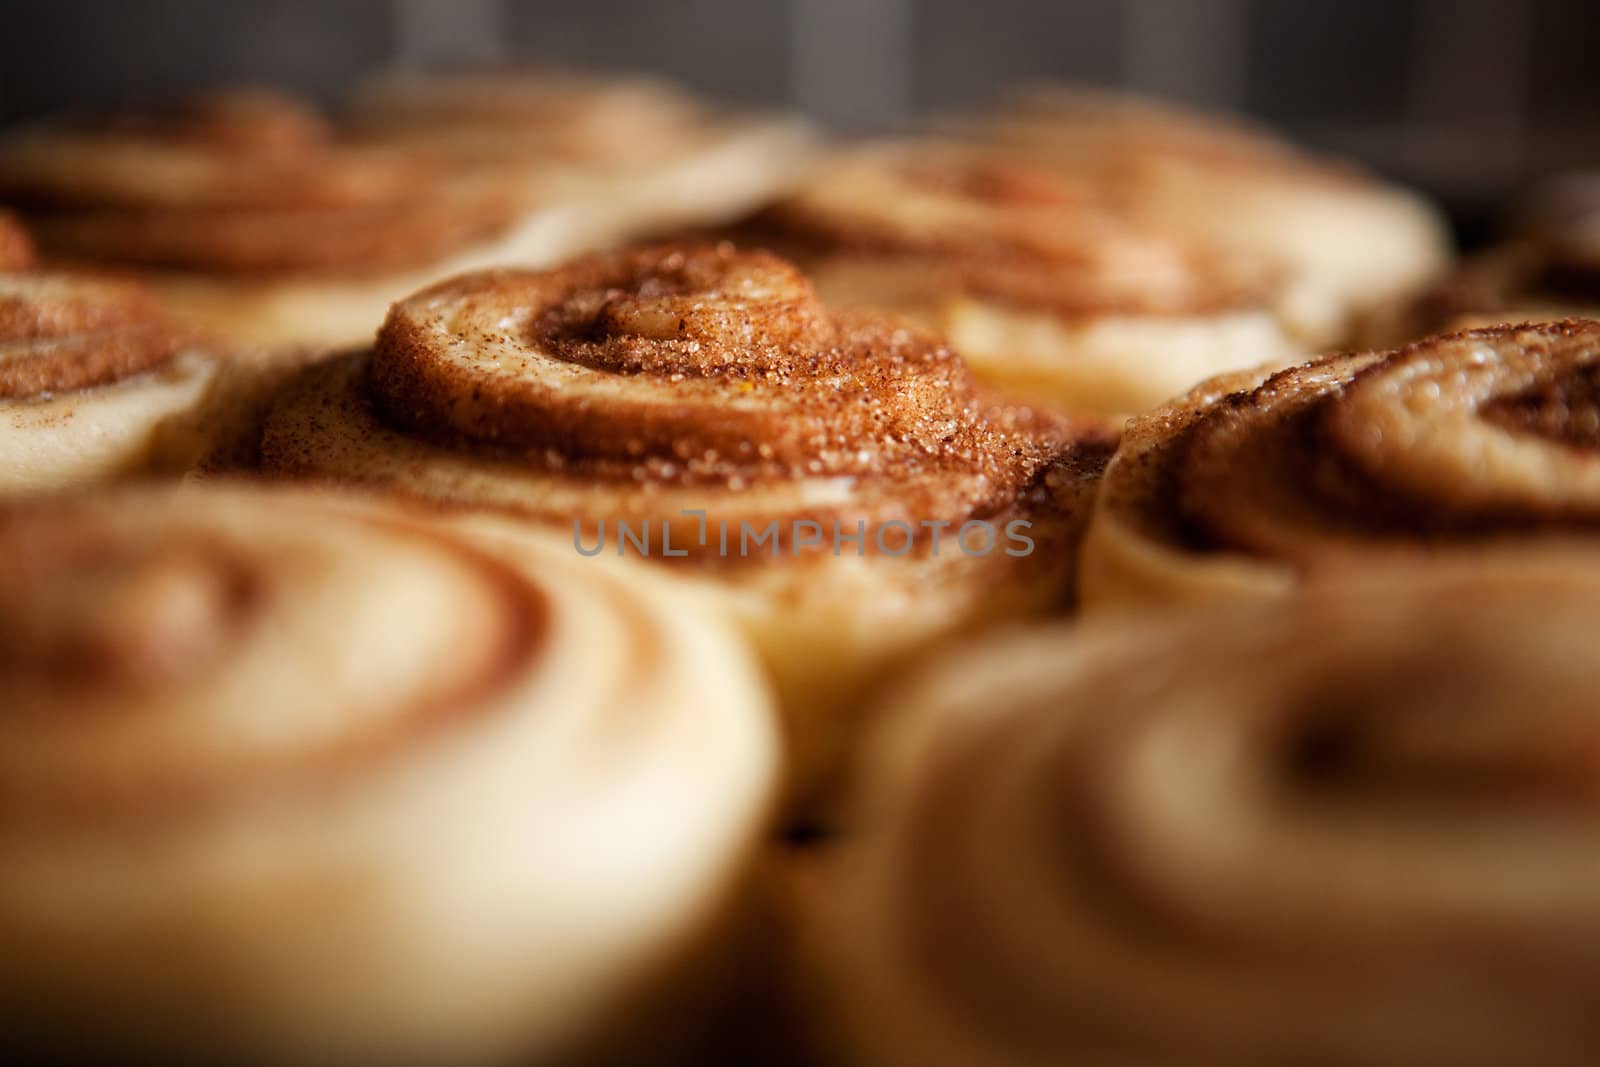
x,y
688,314
1565,410
124,616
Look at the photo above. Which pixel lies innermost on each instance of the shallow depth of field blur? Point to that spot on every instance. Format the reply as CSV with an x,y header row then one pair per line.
x,y
1468,99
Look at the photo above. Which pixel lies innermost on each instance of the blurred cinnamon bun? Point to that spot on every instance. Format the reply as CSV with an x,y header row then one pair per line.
x,y
1528,280
1463,441
1348,241
256,218
834,479
1114,845
1047,289
637,155
97,382
291,780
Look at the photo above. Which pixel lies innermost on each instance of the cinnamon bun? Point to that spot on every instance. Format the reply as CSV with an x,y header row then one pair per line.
x,y
291,780
834,478
1044,286
1349,242
96,382
258,219
636,155
1458,442
1115,845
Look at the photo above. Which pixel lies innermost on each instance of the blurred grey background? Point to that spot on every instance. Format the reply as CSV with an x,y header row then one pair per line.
x,y
1472,99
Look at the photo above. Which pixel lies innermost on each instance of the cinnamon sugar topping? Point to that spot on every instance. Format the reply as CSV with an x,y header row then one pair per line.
x,y
60,332
1456,438
683,353
658,379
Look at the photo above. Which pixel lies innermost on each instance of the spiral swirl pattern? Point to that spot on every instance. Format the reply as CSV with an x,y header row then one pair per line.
x,y
1460,440
384,789
1049,289
1346,241
242,183
999,227
627,156
1115,846
655,380
89,369
64,332
813,469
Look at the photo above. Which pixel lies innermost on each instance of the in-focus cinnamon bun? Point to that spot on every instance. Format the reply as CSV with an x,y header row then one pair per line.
x,y
96,382
1460,441
1047,289
258,218
16,248
291,780
1348,241
835,477
636,155
1371,847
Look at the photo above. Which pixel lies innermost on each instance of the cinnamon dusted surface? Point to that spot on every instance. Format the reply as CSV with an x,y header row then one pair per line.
x,y
1454,439
668,378
61,332
242,183
964,220
98,383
